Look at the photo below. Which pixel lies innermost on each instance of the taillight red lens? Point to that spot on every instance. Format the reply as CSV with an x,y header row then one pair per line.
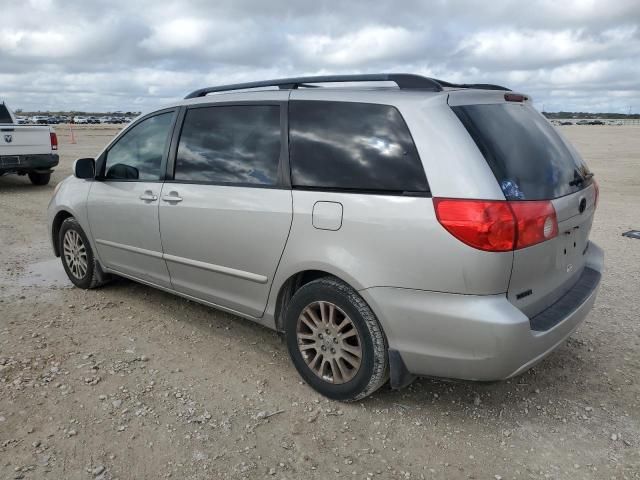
x,y
483,224
497,225
54,141
536,222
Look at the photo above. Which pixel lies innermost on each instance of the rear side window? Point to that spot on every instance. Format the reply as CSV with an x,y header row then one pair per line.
x,y
230,145
352,146
526,154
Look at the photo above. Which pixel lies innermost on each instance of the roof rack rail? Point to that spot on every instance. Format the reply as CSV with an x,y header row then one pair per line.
x,y
479,86
405,81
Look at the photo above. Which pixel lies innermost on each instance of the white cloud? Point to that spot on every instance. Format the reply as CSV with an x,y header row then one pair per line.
x,y
373,43
178,34
111,54
538,48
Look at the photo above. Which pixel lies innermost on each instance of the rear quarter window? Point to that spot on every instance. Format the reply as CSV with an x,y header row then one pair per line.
x,y
528,157
354,147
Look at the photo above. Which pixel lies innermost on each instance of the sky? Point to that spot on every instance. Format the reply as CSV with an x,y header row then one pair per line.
x,y
108,55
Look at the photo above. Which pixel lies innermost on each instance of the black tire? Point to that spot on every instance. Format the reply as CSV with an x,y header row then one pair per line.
x,y
39,178
373,370
94,275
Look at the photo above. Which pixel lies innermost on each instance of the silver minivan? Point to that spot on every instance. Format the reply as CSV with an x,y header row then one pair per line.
x,y
391,226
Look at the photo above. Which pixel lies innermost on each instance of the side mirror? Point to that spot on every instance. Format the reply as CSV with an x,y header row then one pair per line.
x,y
84,168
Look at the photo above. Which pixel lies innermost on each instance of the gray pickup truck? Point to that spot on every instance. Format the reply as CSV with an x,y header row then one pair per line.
x,y
26,149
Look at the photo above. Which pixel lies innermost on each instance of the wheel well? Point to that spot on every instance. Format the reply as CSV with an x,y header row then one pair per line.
x,y
290,287
55,229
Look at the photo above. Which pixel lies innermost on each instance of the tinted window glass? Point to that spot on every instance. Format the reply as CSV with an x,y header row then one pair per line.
x,y
235,145
138,154
4,114
354,146
526,154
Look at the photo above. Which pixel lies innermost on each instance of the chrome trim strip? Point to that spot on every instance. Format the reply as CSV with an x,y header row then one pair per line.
x,y
252,277
141,251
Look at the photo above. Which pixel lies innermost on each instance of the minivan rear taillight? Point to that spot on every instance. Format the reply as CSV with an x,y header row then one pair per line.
x,y
536,222
497,225
54,140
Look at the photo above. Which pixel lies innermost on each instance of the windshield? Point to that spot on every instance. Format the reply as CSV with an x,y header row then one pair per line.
x,y
525,152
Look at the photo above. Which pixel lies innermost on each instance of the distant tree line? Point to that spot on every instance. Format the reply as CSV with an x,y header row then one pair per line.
x,y
612,116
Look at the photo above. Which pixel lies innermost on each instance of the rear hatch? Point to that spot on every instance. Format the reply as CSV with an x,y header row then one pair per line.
x,y
531,161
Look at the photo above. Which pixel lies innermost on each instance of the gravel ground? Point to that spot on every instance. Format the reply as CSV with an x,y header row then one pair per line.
x,y
132,383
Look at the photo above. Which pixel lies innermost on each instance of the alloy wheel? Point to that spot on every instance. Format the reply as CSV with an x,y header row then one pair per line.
x,y
329,342
75,254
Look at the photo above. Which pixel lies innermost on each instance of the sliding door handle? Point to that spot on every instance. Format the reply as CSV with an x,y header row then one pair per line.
x,y
171,198
148,197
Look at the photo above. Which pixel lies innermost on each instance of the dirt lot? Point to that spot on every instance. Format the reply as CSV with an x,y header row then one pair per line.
x,y
128,382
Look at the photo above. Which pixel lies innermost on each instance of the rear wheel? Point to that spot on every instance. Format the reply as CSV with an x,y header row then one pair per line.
x,y
335,340
39,178
78,260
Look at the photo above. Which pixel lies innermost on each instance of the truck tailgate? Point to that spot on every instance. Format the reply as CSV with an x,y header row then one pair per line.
x,y
24,140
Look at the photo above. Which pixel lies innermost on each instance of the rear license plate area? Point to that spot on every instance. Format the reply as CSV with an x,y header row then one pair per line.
x,y
575,242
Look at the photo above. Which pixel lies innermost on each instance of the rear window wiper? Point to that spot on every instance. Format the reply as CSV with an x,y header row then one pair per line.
x,y
579,179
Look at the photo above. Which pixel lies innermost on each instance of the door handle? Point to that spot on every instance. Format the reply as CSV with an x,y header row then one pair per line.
x,y
148,196
172,197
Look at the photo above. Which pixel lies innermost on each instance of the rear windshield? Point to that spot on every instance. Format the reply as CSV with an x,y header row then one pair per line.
x,y
526,154
4,114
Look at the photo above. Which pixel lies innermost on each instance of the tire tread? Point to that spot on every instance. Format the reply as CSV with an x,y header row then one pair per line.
x,y
380,373
98,276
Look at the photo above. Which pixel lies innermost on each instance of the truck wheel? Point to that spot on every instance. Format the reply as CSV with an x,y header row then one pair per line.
x,y
39,178
78,260
335,340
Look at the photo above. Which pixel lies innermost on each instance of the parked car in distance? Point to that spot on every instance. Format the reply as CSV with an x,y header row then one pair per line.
x,y
22,120
80,120
26,149
583,122
326,213
596,122
566,122
40,120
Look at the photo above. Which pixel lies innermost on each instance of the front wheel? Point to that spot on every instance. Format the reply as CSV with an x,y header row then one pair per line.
x,y
39,178
335,340
78,260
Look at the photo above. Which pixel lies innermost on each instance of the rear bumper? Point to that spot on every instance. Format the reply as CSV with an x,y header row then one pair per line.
x,y
472,337
28,163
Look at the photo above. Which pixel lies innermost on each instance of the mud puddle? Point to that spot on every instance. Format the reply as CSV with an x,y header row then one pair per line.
x,y
48,273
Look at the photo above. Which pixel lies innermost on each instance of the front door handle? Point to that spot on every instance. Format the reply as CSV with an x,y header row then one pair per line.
x,y
148,196
172,197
